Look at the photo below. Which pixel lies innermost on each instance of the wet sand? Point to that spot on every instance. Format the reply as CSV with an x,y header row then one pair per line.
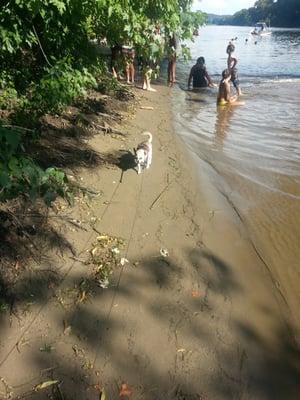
x,y
205,322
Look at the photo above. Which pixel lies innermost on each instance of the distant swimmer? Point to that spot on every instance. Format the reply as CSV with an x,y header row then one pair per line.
x,y
246,40
199,75
224,97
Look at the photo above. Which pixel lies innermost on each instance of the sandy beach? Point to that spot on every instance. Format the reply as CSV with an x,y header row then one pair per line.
x,y
194,314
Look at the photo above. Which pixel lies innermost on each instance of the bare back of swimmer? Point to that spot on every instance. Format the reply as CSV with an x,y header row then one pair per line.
x,y
224,89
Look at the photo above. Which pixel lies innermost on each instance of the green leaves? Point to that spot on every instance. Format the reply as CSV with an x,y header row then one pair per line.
x,y
60,86
20,175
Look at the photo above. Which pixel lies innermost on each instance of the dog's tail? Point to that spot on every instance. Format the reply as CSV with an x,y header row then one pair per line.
x,y
149,135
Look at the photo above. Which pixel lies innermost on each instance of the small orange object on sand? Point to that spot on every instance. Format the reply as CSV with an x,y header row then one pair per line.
x,y
125,390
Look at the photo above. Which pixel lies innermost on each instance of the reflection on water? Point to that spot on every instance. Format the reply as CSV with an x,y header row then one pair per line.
x,y
254,148
222,126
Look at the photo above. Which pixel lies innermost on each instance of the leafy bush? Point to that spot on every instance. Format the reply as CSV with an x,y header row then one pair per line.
x,y
9,99
20,175
8,95
60,86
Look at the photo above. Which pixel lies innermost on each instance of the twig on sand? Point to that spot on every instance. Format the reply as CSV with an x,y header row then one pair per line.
x,y
73,222
147,108
159,196
17,127
78,259
107,115
107,128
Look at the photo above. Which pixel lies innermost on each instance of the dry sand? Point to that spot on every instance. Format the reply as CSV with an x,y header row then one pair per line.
x,y
205,322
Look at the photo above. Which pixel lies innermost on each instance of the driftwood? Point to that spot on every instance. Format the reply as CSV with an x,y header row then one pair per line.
x,y
101,114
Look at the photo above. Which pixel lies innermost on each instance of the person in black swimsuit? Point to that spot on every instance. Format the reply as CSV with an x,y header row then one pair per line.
x,y
199,75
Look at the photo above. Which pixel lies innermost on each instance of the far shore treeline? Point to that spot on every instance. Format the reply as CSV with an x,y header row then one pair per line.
x,y
280,13
49,56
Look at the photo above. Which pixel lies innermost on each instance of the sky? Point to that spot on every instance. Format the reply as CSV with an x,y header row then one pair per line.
x,y
222,7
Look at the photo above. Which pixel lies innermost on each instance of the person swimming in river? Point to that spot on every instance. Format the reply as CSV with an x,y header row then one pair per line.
x,y
231,66
224,96
199,75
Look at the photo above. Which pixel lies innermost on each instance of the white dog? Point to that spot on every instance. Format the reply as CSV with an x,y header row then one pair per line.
x,y
143,153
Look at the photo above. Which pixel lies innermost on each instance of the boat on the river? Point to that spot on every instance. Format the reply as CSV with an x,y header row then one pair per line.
x,y
261,29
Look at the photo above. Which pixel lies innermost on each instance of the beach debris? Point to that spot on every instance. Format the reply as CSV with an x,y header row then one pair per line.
x,y
47,348
147,108
196,294
105,256
21,342
164,252
67,328
125,390
182,350
78,351
84,290
123,261
102,394
44,385
104,283
8,389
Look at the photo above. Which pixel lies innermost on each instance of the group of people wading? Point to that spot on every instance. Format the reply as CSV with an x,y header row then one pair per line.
x,y
198,77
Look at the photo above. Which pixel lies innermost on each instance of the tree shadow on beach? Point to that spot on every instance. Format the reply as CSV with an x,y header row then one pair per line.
x,y
100,350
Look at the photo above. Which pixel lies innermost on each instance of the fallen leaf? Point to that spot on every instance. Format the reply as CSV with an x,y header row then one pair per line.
x,y
67,328
44,385
123,261
82,296
17,265
164,252
102,237
180,350
94,251
125,390
102,395
196,293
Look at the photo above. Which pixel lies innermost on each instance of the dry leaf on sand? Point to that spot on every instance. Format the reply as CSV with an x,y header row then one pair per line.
x,y
45,385
125,390
196,293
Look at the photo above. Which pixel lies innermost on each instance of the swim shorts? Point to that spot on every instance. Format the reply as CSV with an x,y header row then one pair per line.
x,y
222,102
235,78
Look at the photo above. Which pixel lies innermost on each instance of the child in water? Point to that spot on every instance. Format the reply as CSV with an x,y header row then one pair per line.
x,y
231,66
224,90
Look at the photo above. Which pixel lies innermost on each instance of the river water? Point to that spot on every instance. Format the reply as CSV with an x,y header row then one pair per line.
x,y
254,149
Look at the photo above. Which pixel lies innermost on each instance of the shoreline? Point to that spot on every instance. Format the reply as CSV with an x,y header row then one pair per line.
x,y
203,322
